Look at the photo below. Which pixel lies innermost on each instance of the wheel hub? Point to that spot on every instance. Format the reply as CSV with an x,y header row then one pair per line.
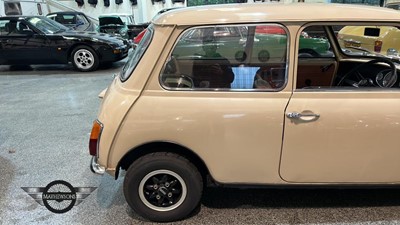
x,y
84,59
162,190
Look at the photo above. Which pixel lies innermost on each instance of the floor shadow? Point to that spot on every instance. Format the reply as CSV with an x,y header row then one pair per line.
x,y
20,68
300,198
300,206
7,174
110,192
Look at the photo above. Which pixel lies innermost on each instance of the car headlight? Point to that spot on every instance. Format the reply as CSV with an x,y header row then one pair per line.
x,y
119,49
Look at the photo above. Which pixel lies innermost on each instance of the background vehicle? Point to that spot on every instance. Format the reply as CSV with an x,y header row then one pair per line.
x,y
38,40
393,5
376,39
120,24
142,30
23,7
74,20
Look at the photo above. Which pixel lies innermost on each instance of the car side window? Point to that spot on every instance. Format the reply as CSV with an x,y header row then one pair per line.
x,y
81,22
3,29
135,57
368,57
13,28
316,61
313,42
228,58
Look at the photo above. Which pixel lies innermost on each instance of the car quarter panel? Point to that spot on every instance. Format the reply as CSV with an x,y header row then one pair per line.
x,y
120,97
221,128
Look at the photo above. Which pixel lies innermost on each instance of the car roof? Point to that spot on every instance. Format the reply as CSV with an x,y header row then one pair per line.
x,y
19,17
66,12
168,9
116,14
264,12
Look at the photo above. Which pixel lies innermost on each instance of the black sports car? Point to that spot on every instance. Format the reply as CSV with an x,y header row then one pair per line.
x,y
26,40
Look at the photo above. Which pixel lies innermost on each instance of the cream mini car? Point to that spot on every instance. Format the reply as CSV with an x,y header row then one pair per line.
x,y
184,114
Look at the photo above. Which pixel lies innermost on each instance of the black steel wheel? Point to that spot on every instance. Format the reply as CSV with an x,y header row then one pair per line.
x,y
163,187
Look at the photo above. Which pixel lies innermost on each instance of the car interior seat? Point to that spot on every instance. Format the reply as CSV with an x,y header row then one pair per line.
x,y
22,27
11,27
60,19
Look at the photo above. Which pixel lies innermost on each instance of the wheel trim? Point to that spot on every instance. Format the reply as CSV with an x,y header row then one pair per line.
x,y
169,189
84,59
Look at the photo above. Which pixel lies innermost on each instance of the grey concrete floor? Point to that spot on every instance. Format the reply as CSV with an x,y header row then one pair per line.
x,y
46,114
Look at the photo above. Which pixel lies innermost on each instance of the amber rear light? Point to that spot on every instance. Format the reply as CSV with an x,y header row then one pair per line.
x,y
95,137
378,46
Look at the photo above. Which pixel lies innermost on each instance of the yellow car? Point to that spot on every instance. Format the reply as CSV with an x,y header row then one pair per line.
x,y
378,39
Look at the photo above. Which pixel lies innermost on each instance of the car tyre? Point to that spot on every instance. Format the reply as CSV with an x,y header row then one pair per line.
x,y
84,58
163,187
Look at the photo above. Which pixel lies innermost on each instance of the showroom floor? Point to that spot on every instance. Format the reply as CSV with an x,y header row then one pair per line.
x,y
46,117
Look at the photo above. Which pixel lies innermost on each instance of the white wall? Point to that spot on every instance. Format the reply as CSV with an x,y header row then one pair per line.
x,y
143,11
28,7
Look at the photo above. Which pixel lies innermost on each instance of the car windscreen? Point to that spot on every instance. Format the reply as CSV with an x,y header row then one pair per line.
x,y
46,25
128,20
137,55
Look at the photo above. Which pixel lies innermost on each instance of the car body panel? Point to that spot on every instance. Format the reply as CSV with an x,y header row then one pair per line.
x,y
15,44
353,142
126,94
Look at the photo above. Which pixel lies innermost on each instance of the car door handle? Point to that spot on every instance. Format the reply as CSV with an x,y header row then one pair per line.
x,y
296,115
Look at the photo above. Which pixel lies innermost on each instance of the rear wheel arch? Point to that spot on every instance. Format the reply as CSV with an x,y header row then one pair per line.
x,y
154,147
